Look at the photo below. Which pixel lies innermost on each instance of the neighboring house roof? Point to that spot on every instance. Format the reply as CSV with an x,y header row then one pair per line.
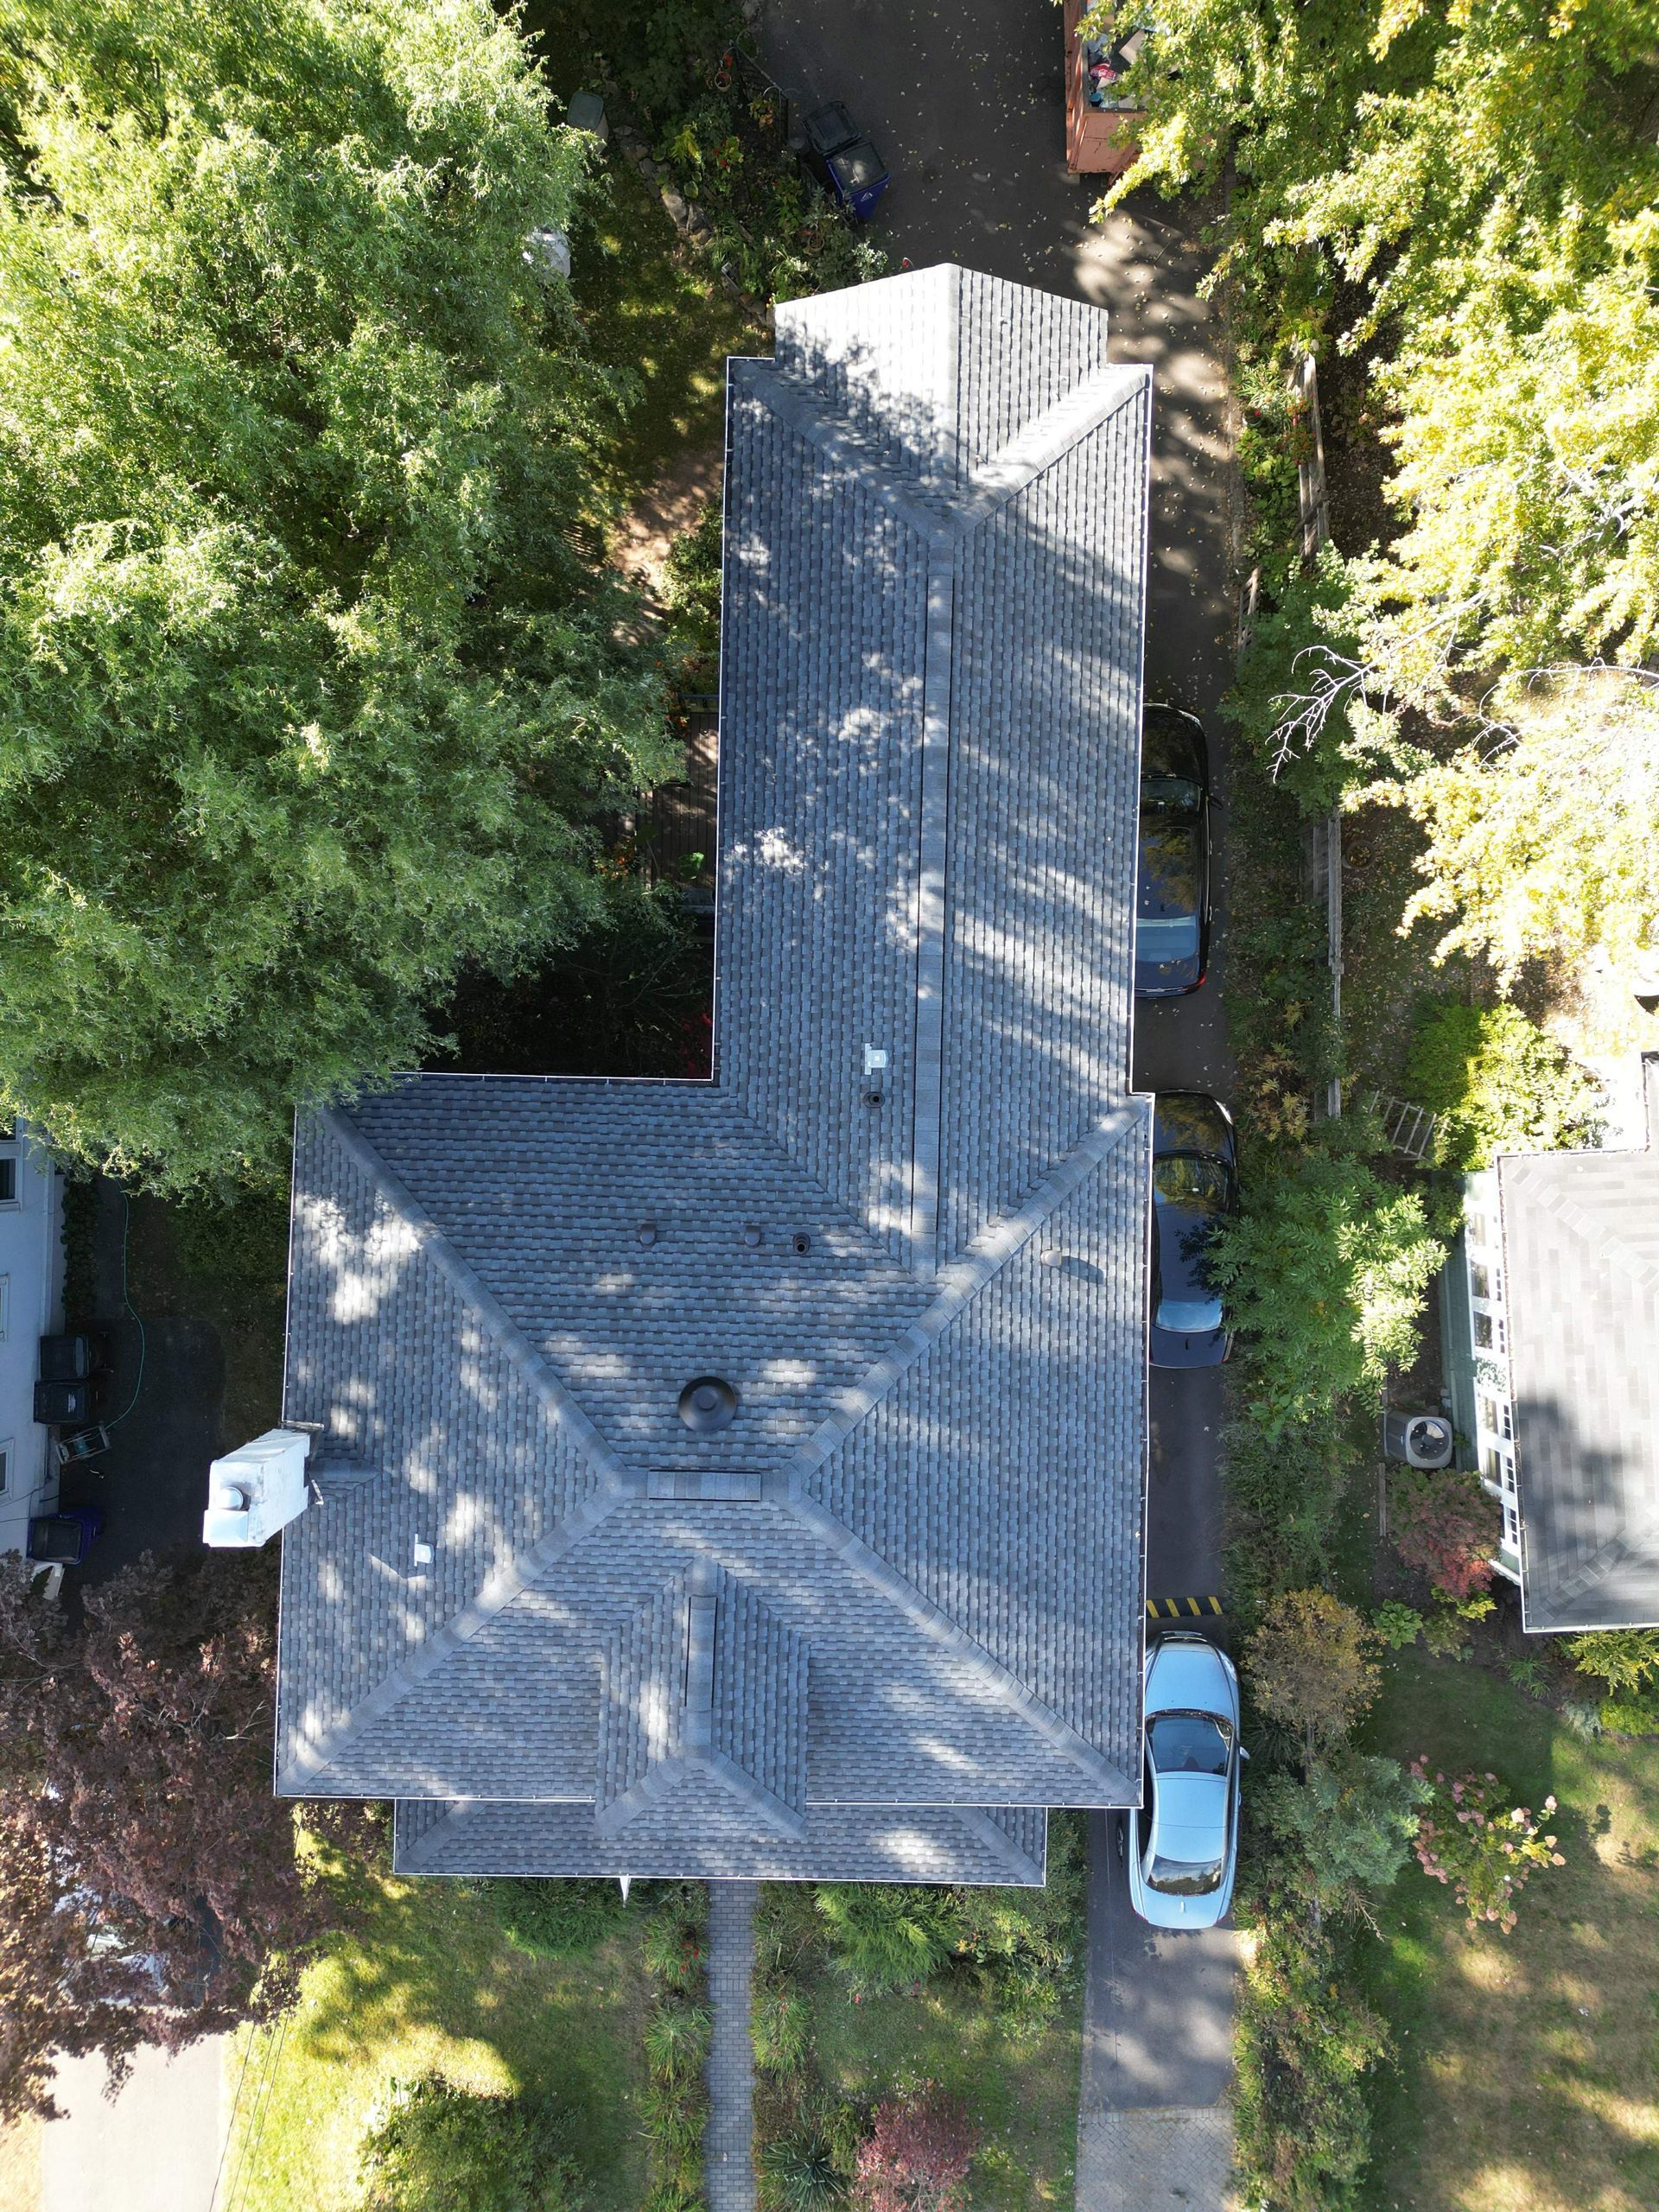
x,y
862,1631
1581,1263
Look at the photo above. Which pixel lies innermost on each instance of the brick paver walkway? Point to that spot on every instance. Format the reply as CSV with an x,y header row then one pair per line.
x,y
729,2143
1171,2158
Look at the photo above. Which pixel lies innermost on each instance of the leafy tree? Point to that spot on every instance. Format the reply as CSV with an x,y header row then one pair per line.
x,y
1325,1271
1351,1823
1443,1523
1472,1835
1482,178
917,2155
1540,837
1497,1085
888,1936
1311,1667
150,1885
310,683
436,2147
1626,1659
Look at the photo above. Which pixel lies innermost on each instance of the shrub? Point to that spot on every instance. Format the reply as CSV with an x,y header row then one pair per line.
x,y
779,2030
1351,1823
673,1949
437,2146
1472,1836
1395,1625
1626,1659
555,1919
692,583
800,2173
1631,1716
888,1936
1326,1271
677,2040
1497,1083
1302,2049
917,2155
1022,1945
1442,1521
1283,1494
1311,1667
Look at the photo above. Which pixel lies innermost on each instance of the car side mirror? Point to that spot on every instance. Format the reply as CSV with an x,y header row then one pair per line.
x,y
1243,1753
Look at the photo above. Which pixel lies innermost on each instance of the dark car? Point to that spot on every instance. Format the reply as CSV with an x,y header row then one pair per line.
x,y
1194,1187
846,161
1172,928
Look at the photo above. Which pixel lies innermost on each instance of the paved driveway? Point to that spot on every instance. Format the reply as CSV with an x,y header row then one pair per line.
x,y
967,106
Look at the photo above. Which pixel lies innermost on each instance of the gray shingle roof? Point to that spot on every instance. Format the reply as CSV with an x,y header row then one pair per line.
x,y
894,1606
1581,1265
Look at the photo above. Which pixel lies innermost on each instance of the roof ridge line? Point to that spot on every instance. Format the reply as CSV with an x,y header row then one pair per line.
x,y
1001,1846
820,423
1592,1229
960,1281
535,1369
1047,438
494,1596
937,1625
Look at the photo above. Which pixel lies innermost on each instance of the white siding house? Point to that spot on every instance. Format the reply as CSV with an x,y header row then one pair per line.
x,y
31,1295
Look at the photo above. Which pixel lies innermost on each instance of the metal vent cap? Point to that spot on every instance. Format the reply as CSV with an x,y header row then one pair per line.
x,y
707,1403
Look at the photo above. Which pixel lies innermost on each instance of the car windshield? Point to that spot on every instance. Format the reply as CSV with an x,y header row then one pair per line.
x,y
1189,1743
1183,1878
1186,1180
1175,938
1178,794
1188,1317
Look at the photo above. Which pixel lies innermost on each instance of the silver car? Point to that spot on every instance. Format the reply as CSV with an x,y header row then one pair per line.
x,y
1181,1848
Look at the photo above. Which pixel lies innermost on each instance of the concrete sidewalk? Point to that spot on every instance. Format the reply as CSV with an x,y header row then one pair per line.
x,y
155,2148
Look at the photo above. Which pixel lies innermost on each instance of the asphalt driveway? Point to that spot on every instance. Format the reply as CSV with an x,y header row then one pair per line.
x,y
967,106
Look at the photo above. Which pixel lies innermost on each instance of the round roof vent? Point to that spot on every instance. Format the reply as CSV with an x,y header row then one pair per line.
x,y
707,1402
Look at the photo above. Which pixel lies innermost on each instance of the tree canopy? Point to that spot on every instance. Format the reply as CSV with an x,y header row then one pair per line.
x,y
1485,179
151,1885
309,683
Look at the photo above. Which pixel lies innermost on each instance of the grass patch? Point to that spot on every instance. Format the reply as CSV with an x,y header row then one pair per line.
x,y
1022,2095
1526,2068
649,307
426,1983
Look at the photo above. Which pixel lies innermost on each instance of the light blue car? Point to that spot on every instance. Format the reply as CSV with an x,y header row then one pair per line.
x,y
1181,1849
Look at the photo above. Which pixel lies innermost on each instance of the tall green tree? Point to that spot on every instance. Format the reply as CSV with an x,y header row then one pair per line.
x,y
1485,177
310,682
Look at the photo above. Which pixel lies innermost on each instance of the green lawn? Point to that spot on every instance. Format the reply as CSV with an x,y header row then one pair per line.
x,y
1021,2093
652,306
1527,2075
428,1984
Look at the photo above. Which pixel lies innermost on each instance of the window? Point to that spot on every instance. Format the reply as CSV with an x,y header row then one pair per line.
x,y
1508,1422
5,1467
8,1179
1474,1229
5,1307
1484,1331
1490,1466
1511,1530
1489,1415
1480,1283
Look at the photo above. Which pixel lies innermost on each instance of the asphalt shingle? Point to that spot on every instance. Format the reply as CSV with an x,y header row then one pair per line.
x,y
875,1622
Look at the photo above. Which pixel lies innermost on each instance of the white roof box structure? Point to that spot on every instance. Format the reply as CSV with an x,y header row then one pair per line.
x,y
256,1489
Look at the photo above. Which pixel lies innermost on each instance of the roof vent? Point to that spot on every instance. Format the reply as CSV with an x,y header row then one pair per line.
x,y
647,1232
751,1234
801,1242
707,1402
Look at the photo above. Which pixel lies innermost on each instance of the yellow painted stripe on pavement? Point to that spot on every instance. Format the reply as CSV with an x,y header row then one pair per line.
x,y
1175,1609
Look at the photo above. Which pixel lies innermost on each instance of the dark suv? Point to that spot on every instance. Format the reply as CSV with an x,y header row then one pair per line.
x,y
1171,927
